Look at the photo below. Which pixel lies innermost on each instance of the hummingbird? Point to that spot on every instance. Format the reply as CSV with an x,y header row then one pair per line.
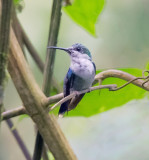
x,y
80,75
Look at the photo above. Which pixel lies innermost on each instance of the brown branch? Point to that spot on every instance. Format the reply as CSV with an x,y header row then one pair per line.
x,y
122,75
33,98
13,113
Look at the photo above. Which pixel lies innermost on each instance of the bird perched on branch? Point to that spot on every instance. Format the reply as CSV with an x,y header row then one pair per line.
x,y
80,75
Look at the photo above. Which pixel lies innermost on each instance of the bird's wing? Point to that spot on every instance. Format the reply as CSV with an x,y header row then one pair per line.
x,y
68,82
94,67
74,101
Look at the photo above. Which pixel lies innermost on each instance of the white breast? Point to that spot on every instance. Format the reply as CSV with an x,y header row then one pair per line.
x,y
83,68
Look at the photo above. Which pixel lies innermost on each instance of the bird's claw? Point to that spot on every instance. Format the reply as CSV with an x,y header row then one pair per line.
x,y
77,93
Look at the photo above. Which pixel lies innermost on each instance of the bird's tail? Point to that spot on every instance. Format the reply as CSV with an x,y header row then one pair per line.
x,y
69,105
74,101
63,108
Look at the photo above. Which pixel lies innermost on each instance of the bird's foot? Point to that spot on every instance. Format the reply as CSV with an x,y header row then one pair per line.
x,y
77,93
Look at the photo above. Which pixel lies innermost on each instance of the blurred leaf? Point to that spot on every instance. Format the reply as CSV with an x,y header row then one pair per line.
x,y
50,156
21,117
17,1
85,13
19,5
103,100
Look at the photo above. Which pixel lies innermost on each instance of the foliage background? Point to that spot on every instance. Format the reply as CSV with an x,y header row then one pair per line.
x,y
122,41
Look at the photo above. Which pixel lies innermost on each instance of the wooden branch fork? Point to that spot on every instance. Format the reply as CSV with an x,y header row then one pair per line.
x,y
33,100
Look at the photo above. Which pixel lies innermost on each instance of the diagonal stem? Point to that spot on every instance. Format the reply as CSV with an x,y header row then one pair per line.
x,y
19,140
33,52
53,35
5,9
33,98
49,65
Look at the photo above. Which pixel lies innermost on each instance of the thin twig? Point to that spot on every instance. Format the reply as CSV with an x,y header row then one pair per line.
x,y
13,113
19,140
122,75
53,36
111,88
129,83
49,65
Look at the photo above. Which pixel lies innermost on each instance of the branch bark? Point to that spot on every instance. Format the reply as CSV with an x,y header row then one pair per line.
x,y
122,75
32,98
13,113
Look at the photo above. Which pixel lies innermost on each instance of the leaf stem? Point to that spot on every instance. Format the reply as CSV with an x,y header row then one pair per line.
x,y
4,44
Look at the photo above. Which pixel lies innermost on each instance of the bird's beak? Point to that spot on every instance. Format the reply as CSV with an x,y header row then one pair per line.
x,y
64,49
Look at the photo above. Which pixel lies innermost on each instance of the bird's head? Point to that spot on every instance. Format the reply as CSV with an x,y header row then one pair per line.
x,y
76,50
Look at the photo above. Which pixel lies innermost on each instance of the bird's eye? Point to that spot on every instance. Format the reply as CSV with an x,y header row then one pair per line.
x,y
78,49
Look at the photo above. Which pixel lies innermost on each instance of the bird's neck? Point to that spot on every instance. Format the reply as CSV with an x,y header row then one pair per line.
x,y
80,60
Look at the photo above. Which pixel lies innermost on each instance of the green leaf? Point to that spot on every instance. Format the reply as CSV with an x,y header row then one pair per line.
x,y
21,117
85,13
100,101
17,1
